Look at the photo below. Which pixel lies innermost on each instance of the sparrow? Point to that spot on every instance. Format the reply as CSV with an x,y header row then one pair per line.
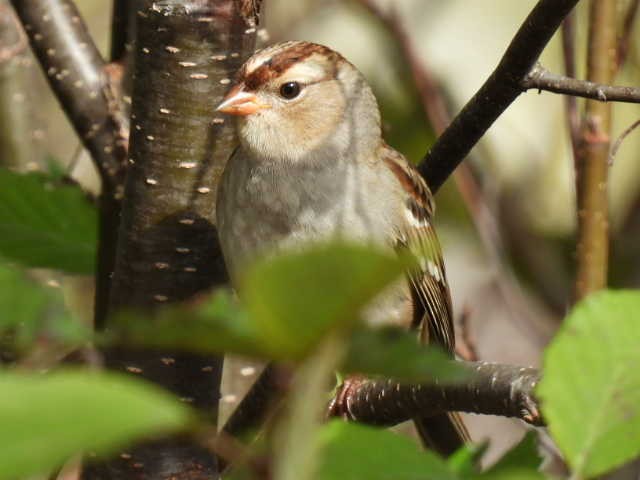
x,y
311,165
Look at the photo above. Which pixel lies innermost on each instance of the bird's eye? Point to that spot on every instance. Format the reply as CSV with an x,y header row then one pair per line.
x,y
290,90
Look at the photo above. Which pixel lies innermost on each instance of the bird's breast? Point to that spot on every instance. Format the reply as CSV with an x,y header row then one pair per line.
x,y
264,209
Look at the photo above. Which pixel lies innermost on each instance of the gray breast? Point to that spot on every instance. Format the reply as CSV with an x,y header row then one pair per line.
x,y
263,209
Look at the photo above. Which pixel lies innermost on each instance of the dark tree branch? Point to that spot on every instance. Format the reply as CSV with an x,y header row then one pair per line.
x,y
186,52
76,73
539,78
492,389
497,93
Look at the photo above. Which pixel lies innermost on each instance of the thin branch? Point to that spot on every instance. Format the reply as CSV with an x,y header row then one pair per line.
x,y
465,345
571,102
624,41
539,78
493,389
618,143
497,93
75,71
592,165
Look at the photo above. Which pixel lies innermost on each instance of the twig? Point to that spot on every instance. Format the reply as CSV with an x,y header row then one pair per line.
x,y
540,78
620,139
592,165
75,71
624,40
497,93
465,346
571,103
493,389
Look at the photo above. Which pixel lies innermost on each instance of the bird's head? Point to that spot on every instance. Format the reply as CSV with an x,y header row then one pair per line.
x,y
295,100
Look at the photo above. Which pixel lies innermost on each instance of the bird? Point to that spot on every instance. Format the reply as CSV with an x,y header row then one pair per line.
x,y
311,165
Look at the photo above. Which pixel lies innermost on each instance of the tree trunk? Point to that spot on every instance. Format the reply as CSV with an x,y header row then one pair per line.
x,y
185,53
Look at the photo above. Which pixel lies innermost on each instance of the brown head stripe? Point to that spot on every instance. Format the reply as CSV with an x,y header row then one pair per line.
x,y
282,61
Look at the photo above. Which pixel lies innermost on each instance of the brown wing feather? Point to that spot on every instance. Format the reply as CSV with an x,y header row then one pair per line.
x,y
432,310
432,302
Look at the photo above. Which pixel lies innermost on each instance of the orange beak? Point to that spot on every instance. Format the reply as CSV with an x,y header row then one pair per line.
x,y
239,102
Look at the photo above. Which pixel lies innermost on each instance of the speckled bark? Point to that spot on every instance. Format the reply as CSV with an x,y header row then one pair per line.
x,y
186,52
492,389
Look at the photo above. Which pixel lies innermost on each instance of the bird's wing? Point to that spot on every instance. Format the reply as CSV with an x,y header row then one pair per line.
x,y
432,310
428,283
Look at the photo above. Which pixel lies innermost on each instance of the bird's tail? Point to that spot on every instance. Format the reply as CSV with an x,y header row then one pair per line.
x,y
443,433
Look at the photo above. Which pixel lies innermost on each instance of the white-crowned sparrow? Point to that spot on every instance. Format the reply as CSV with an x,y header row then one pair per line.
x,y
311,166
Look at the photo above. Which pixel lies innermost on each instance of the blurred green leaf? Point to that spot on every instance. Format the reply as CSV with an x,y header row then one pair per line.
x,y
29,311
521,462
399,355
49,417
216,324
356,452
55,170
296,298
590,390
22,302
466,460
45,224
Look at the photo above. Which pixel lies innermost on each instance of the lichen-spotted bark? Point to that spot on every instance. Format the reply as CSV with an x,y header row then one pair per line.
x,y
186,52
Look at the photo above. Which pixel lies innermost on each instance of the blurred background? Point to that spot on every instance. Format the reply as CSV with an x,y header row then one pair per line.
x,y
508,230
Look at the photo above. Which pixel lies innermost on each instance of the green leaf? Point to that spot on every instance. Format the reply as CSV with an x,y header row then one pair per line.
x,y
521,462
29,311
48,418
22,303
45,224
292,301
466,460
399,355
356,452
590,390
216,324
297,298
